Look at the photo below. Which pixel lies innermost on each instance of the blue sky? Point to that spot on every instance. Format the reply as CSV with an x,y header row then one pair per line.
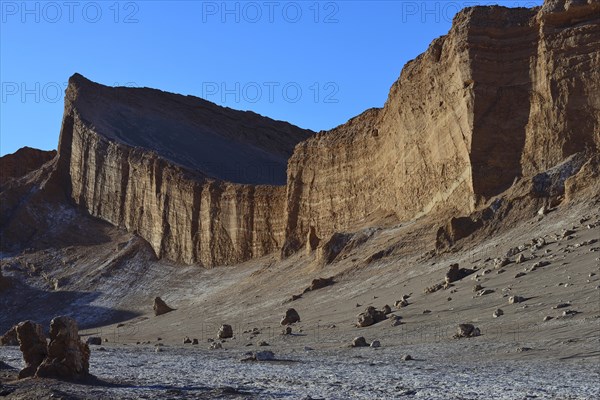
x,y
314,64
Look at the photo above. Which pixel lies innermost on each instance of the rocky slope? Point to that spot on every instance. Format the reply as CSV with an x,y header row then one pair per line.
x,y
22,162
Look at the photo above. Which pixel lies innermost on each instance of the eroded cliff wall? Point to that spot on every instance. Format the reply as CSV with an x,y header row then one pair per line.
x,y
507,93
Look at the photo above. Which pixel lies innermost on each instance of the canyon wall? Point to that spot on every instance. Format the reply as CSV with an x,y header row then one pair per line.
x,y
506,93
113,170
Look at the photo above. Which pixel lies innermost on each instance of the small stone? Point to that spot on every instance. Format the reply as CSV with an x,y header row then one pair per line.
x,y
521,258
466,331
262,343
375,344
569,313
406,357
515,299
287,330
215,346
548,318
401,303
94,340
498,313
291,317
477,288
386,309
561,305
484,292
160,307
520,274
195,341
265,355
187,340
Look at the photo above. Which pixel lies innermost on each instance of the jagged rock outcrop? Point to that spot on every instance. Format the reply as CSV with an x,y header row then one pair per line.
x,y
68,357
32,343
22,162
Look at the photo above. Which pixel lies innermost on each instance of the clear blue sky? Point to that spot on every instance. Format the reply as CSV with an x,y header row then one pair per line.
x,y
314,64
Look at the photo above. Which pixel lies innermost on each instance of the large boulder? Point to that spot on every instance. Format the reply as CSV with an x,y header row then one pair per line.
x,y
32,343
160,307
225,332
291,317
68,357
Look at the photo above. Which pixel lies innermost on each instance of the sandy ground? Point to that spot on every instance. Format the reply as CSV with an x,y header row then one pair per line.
x,y
519,355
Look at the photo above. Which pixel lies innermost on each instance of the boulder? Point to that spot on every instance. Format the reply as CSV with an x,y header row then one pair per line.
x,y
160,307
370,316
466,331
94,340
68,357
225,332
10,337
359,342
375,344
455,273
32,343
291,317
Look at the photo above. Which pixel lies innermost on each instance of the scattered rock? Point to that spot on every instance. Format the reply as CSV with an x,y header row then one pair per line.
x,y
521,258
498,313
187,340
195,341
32,343
375,344
319,283
265,355
94,340
561,305
68,357
569,313
539,265
386,309
262,343
287,330
291,317
467,331
401,303
370,316
225,332
501,262
520,274
359,341
10,337
523,349
216,346
160,307
406,357
515,299
477,288
548,318
484,292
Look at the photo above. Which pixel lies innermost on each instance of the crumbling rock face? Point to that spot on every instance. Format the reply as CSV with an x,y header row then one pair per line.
x,y
68,357
160,307
32,343
187,192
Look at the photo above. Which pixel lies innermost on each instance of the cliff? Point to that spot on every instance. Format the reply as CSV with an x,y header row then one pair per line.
x,y
176,170
507,93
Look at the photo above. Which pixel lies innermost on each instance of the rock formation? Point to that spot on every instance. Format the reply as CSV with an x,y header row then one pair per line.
x,y
160,307
291,317
506,94
32,343
10,337
68,357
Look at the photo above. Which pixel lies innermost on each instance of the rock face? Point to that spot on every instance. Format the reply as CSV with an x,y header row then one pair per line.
x,y
507,93
501,96
22,162
177,170
32,343
68,357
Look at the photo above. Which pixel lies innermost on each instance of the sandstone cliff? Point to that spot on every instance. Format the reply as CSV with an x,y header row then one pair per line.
x,y
157,164
507,93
